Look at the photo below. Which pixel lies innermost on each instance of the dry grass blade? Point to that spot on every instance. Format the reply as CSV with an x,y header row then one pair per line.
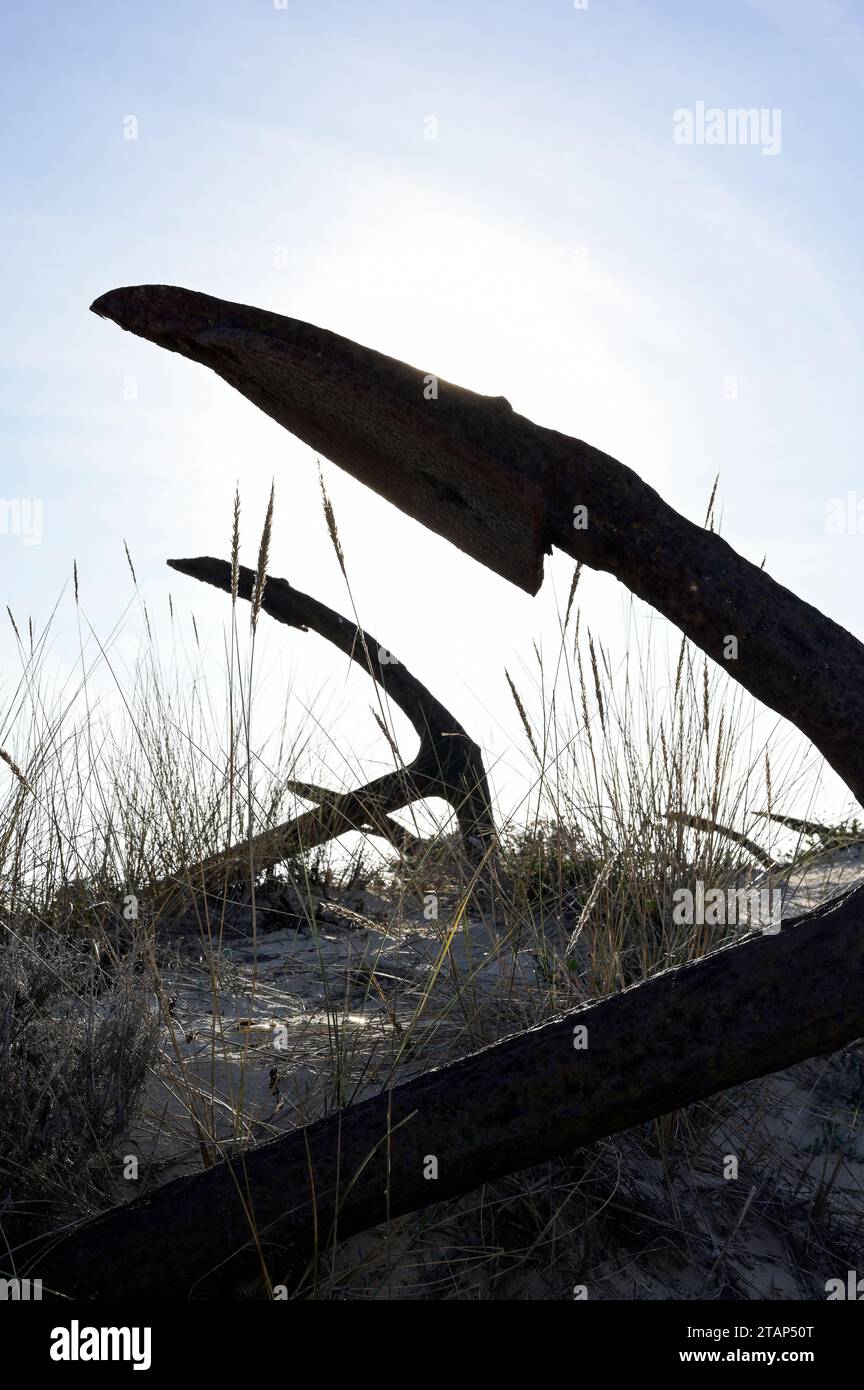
x,y
332,528
577,574
15,769
235,548
598,691
263,559
522,715
709,514
130,564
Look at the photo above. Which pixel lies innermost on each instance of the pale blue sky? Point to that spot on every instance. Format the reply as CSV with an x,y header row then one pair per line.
x,y
553,244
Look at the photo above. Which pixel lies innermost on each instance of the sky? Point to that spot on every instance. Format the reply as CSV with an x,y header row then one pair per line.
x,y
502,194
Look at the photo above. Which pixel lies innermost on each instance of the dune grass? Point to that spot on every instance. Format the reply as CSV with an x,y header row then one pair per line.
x,y
112,793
